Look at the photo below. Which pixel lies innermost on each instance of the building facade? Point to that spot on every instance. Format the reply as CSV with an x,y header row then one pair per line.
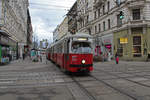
x,y
55,34
72,19
85,16
14,24
120,26
28,47
61,30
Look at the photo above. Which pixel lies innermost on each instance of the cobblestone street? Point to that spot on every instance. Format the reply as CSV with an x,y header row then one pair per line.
x,y
26,80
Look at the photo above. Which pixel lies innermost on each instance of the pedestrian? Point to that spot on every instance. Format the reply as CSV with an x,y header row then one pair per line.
x,y
148,56
117,58
23,56
40,58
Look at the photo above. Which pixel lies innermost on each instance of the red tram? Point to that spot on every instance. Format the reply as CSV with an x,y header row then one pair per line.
x,y
72,53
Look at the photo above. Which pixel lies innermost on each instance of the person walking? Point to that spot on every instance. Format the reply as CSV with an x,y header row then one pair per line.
x,y
148,56
23,56
117,58
41,58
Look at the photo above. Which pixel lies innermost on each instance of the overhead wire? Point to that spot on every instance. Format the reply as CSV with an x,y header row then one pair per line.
x,y
48,8
50,5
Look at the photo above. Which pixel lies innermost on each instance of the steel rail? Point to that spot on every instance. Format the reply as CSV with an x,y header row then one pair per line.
x,y
119,90
91,97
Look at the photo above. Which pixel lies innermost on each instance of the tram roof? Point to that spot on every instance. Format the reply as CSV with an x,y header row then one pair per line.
x,y
80,34
77,35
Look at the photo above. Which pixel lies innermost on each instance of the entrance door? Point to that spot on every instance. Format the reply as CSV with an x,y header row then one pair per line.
x,y
137,50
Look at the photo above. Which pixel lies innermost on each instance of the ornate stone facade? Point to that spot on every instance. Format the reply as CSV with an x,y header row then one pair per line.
x,y
15,22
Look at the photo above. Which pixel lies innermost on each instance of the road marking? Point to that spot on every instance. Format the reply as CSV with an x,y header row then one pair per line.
x,y
3,87
12,79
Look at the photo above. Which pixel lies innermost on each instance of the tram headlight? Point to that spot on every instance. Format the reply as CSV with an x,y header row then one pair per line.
x,y
83,61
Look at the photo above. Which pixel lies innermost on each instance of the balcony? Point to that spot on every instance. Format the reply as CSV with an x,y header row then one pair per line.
x,y
135,3
98,3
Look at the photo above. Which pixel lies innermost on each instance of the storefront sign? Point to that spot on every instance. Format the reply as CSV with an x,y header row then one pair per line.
x,y
123,40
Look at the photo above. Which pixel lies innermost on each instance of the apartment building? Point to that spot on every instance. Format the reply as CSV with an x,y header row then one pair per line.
x,y
122,26
13,23
72,19
61,30
85,16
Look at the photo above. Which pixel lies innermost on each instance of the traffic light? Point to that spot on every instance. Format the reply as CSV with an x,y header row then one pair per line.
x,y
121,15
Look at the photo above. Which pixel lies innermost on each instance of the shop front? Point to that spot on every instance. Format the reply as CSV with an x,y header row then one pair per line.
x,y
104,47
132,44
108,43
4,48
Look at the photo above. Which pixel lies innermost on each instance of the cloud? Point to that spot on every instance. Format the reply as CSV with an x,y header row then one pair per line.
x,y
46,15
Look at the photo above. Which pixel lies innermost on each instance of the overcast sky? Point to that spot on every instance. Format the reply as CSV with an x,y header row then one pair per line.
x,y
46,15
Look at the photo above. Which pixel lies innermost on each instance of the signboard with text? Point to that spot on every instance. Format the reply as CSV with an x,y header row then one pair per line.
x,y
123,40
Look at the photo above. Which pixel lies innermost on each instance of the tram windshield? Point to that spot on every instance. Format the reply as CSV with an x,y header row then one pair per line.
x,y
81,47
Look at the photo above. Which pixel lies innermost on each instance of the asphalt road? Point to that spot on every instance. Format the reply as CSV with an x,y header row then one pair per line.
x,y
26,80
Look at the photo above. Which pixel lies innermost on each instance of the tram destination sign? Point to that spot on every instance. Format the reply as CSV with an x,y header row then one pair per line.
x,y
82,39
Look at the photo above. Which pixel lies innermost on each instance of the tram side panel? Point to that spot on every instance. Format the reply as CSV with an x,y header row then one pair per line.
x,y
52,57
60,59
59,50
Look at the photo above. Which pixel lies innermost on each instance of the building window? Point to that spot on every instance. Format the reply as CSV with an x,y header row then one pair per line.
x,y
99,12
89,30
118,2
108,23
119,21
108,6
136,14
103,9
104,28
83,23
87,5
95,14
119,48
87,19
99,25
95,29
137,46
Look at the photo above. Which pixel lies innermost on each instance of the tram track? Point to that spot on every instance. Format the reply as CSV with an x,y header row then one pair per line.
x,y
103,82
119,90
125,78
90,96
